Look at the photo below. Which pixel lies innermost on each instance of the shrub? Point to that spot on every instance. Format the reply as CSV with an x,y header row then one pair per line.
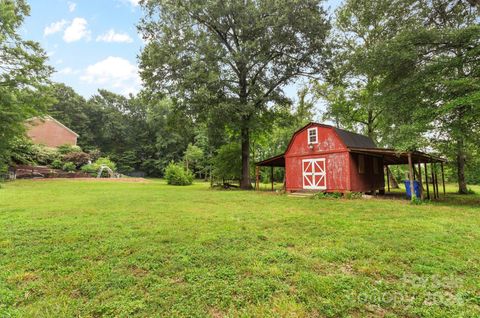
x,y
56,164
69,167
327,195
106,162
64,149
177,175
94,167
94,154
79,158
89,169
44,155
353,195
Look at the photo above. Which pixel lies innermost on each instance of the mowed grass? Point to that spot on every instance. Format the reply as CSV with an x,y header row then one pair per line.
x,y
104,249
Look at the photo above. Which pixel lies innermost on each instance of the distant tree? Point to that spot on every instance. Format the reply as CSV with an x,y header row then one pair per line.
x,y
71,109
23,76
192,155
230,60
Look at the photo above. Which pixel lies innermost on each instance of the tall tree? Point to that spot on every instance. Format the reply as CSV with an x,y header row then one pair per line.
x,y
23,75
71,109
354,100
231,57
432,76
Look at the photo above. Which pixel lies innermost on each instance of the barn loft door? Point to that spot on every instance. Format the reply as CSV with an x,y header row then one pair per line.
x,y
314,174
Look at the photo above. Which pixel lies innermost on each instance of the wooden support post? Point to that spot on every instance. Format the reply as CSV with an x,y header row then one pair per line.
x,y
271,175
410,168
388,178
420,180
443,179
436,180
433,180
257,178
426,180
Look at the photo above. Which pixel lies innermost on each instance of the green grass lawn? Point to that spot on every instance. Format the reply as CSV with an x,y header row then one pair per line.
x,y
94,249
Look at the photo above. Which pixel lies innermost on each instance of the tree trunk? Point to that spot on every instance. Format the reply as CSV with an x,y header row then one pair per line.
x,y
245,136
462,184
393,180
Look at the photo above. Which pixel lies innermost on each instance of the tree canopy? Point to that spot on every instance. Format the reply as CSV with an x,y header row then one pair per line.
x,y
227,61
23,75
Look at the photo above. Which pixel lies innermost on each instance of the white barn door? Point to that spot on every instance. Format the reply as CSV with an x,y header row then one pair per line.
x,y
314,174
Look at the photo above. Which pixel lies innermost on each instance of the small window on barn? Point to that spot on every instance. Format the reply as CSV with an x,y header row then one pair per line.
x,y
376,167
361,164
312,135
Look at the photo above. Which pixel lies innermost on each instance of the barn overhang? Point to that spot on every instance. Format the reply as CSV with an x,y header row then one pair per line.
x,y
395,157
277,161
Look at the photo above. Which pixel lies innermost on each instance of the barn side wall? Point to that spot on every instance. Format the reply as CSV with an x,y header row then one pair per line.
x,y
330,147
369,180
336,166
50,133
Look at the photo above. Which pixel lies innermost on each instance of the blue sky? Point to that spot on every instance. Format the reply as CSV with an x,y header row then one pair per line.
x,y
93,44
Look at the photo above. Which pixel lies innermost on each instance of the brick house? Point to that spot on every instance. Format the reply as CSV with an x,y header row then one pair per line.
x,y
50,132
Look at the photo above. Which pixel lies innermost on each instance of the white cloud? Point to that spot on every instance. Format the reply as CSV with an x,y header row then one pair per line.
x,y
76,31
114,73
134,2
54,27
68,71
111,36
71,6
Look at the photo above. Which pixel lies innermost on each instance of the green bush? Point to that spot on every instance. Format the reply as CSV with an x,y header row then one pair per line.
x,y
69,167
64,149
106,162
89,169
177,175
353,195
79,158
327,195
94,167
57,164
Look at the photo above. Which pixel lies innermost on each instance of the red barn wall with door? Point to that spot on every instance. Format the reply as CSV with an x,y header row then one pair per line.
x,y
330,147
370,179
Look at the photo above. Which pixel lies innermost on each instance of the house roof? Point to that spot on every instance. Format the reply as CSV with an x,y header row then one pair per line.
x,y
48,117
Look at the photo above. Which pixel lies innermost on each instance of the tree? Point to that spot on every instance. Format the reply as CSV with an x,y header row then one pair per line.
x,y
230,59
71,109
193,155
352,89
23,75
432,76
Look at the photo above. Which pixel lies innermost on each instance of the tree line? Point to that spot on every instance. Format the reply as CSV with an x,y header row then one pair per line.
x,y
404,72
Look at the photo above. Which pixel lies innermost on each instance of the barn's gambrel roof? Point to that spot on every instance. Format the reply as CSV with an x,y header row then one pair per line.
x,y
353,140
349,139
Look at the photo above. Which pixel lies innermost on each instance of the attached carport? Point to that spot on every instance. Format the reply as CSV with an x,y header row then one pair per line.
x,y
277,161
414,160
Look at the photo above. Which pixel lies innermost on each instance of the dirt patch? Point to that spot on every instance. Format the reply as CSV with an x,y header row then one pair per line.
x,y
96,179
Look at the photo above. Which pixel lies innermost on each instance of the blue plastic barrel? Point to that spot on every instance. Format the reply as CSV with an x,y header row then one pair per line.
x,y
416,188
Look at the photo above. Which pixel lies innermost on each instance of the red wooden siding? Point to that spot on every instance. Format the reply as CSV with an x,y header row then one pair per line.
x,y
369,180
341,166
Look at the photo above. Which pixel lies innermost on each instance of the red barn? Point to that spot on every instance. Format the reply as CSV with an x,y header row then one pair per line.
x,y
324,158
